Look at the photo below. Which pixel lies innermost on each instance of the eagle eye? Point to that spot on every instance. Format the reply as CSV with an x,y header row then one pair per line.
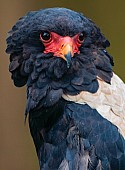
x,y
81,37
45,36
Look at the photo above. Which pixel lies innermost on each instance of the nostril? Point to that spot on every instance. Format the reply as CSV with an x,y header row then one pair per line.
x,y
62,45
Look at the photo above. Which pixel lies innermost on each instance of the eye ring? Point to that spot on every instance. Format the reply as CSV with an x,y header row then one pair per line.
x,y
81,37
45,36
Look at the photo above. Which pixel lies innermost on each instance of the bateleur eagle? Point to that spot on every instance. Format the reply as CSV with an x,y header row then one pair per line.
x,y
76,104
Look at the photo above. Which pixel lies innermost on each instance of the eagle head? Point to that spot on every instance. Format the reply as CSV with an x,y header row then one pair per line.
x,y
55,51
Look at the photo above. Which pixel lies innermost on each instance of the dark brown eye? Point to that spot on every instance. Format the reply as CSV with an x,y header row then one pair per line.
x,y
81,37
45,36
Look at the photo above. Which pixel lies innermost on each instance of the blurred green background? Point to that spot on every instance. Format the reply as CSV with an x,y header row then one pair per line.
x,y
17,151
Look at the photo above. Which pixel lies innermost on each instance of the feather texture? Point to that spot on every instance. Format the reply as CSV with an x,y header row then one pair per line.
x,y
109,101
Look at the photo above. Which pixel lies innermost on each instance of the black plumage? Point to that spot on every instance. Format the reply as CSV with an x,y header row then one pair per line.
x,y
66,134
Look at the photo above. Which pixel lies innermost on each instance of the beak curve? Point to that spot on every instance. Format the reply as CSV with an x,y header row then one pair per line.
x,y
68,57
66,50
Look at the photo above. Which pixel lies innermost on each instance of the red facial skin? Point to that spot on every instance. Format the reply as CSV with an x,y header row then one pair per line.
x,y
61,46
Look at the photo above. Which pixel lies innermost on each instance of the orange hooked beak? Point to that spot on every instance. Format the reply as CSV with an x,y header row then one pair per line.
x,y
66,50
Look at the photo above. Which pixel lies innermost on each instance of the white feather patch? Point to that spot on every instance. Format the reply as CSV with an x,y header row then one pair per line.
x,y
109,101
64,165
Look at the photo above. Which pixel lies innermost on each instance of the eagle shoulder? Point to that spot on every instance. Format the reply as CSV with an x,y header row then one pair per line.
x,y
109,101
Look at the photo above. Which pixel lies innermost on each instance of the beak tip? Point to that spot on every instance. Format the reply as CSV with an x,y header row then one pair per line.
x,y
68,65
68,57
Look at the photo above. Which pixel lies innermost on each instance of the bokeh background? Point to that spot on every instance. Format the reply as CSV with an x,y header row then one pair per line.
x,y
17,151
